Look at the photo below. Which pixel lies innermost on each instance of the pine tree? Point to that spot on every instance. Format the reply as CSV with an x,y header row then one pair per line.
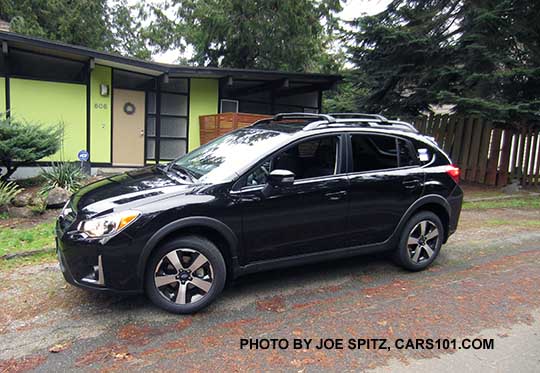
x,y
480,56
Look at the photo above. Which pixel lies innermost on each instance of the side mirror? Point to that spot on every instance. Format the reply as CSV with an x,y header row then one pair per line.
x,y
276,180
280,178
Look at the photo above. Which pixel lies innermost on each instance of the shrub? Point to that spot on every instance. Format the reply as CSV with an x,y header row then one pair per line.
x,y
22,143
64,175
8,191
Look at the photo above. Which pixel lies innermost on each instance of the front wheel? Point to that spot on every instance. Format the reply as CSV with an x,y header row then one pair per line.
x,y
185,275
420,241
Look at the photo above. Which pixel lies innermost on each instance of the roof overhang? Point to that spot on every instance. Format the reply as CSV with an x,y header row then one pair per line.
x,y
62,50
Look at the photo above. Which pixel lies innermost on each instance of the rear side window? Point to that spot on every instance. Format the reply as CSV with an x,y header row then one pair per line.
x,y
380,152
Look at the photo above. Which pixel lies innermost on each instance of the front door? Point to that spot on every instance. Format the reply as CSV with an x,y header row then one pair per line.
x,y
307,217
128,127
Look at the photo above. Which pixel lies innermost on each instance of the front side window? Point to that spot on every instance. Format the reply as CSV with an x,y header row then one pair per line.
x,y
308,159
381,152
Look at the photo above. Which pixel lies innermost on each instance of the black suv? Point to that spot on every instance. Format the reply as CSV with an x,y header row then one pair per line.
x,y
293,189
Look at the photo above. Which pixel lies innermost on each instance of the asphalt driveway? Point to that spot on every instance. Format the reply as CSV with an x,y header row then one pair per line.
x,y
484,284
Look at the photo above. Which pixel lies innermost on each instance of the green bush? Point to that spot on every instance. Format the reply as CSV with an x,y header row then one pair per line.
x,y
22,143
68,176
8,191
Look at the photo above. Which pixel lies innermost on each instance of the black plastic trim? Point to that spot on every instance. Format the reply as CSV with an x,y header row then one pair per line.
x,y
189,222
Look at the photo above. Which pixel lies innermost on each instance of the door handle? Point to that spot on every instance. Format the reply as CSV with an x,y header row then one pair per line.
x,y
411,183
142,133
336,196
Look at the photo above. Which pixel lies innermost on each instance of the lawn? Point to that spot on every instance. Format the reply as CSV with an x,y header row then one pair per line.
x,y
517,203
14,240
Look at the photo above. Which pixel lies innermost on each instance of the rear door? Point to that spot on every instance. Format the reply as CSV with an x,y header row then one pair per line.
x,y
385,179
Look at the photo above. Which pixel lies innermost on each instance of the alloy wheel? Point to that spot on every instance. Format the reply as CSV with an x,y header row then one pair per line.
x,y
183,276
423,241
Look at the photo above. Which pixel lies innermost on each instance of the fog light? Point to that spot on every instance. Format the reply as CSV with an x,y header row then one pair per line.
x,y
95,277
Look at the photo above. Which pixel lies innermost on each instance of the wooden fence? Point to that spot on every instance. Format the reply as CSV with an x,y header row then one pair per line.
x,y
486,153
212,126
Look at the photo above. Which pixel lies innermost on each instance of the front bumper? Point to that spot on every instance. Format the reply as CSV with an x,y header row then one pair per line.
x,y
90,264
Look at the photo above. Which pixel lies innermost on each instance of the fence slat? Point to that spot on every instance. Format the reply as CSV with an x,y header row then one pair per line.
x,y
458,139
537,171
531,156
527,158
441,131
483,152
502,179
429,125
420,123
465,149
475,149
513,155
521,154
450,134
493,160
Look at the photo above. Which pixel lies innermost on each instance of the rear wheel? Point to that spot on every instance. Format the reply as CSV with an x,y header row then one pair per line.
x,y
420,241
185,275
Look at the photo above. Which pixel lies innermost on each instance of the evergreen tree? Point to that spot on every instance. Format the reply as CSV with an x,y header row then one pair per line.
x,y
291,35
22,143
480,56
108,25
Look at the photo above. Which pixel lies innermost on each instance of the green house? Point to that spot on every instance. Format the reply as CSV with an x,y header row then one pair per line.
x,y
128,112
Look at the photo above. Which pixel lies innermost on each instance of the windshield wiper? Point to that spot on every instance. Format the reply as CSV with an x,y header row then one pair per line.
x,y
183,170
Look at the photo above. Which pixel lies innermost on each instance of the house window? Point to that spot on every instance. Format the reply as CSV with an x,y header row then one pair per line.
x,y
167,121
228,106
43,67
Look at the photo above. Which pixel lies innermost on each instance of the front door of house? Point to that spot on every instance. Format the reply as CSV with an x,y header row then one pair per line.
x,y
128,127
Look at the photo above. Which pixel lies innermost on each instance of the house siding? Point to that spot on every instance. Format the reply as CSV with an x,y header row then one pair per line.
x,y
2,96
100,115
203,100
52,103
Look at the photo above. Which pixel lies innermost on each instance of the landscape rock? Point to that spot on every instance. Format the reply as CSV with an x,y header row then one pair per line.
x,y
20,212
57,197
512,188
22,199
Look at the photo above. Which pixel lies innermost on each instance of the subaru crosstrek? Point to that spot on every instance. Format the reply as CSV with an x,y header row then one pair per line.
x,y
289,190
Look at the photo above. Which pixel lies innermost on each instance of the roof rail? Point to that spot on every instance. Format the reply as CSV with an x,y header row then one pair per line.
x,y
404,124
373,122
325,117
358,115
343,119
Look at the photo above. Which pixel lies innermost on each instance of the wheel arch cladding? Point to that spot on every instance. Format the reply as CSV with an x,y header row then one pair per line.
x,y
431,202
212,229
442,211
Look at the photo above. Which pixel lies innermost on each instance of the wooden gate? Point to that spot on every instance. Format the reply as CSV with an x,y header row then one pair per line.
x,y
486,153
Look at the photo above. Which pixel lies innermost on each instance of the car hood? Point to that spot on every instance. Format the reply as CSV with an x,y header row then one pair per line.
x,y
128,190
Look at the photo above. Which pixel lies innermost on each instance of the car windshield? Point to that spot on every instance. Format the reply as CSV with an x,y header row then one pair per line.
x,y
221,159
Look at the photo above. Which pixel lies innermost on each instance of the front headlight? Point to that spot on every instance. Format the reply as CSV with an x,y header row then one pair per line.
x,y
65,210
109,224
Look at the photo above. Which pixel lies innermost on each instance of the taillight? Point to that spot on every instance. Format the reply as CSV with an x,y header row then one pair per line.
x,y
453,171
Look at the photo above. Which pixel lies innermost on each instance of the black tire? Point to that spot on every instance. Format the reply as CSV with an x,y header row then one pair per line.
x,y
406,253
214,269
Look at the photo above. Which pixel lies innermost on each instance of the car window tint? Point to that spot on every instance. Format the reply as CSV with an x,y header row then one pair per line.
x,y
407,155
308,159
380,152
373,152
